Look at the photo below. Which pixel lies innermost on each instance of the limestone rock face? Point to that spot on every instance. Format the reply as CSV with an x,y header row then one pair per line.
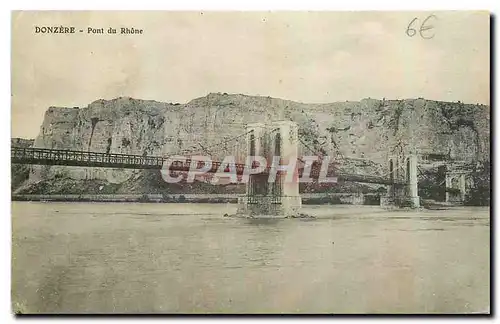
x,y
365,130
123,125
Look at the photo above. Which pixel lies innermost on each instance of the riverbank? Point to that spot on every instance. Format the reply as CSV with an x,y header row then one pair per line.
x,y
307,198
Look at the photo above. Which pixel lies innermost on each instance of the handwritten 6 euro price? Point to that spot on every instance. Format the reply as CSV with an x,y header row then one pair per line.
x,y
425,28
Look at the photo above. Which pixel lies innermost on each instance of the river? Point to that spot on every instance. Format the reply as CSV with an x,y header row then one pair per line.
x,y
187,258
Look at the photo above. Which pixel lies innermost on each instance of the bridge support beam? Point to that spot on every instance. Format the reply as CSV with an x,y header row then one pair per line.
x,y
412,199
278,143
462,187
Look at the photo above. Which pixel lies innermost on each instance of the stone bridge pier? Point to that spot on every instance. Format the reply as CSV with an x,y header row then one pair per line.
x,y
403,174
277,142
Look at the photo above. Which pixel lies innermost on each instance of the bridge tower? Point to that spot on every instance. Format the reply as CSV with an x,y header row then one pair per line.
x,y
272,193
455,186
403,191
403,164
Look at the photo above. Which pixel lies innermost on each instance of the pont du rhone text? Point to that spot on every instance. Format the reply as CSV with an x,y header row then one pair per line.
x,y
89,30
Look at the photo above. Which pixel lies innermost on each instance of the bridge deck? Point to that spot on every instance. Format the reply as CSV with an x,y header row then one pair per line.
x,y
41,156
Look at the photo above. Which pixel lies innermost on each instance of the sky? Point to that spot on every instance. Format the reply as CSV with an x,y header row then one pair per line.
x,y
311,57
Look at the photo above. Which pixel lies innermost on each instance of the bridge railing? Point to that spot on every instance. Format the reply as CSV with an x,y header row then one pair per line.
x,y
44,156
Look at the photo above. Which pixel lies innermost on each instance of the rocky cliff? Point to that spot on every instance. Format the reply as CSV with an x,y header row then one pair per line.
x,y
365,129
19,173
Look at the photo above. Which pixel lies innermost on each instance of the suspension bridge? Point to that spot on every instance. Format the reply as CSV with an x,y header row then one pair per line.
x,y
232,146
43,156
279,139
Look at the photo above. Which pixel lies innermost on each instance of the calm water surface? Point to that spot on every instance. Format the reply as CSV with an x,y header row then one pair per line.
x,y
187,258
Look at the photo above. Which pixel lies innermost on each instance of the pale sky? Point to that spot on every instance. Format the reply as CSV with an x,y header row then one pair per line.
x,y
303,56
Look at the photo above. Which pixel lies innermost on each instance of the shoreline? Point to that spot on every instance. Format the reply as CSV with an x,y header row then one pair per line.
x,y
307,198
